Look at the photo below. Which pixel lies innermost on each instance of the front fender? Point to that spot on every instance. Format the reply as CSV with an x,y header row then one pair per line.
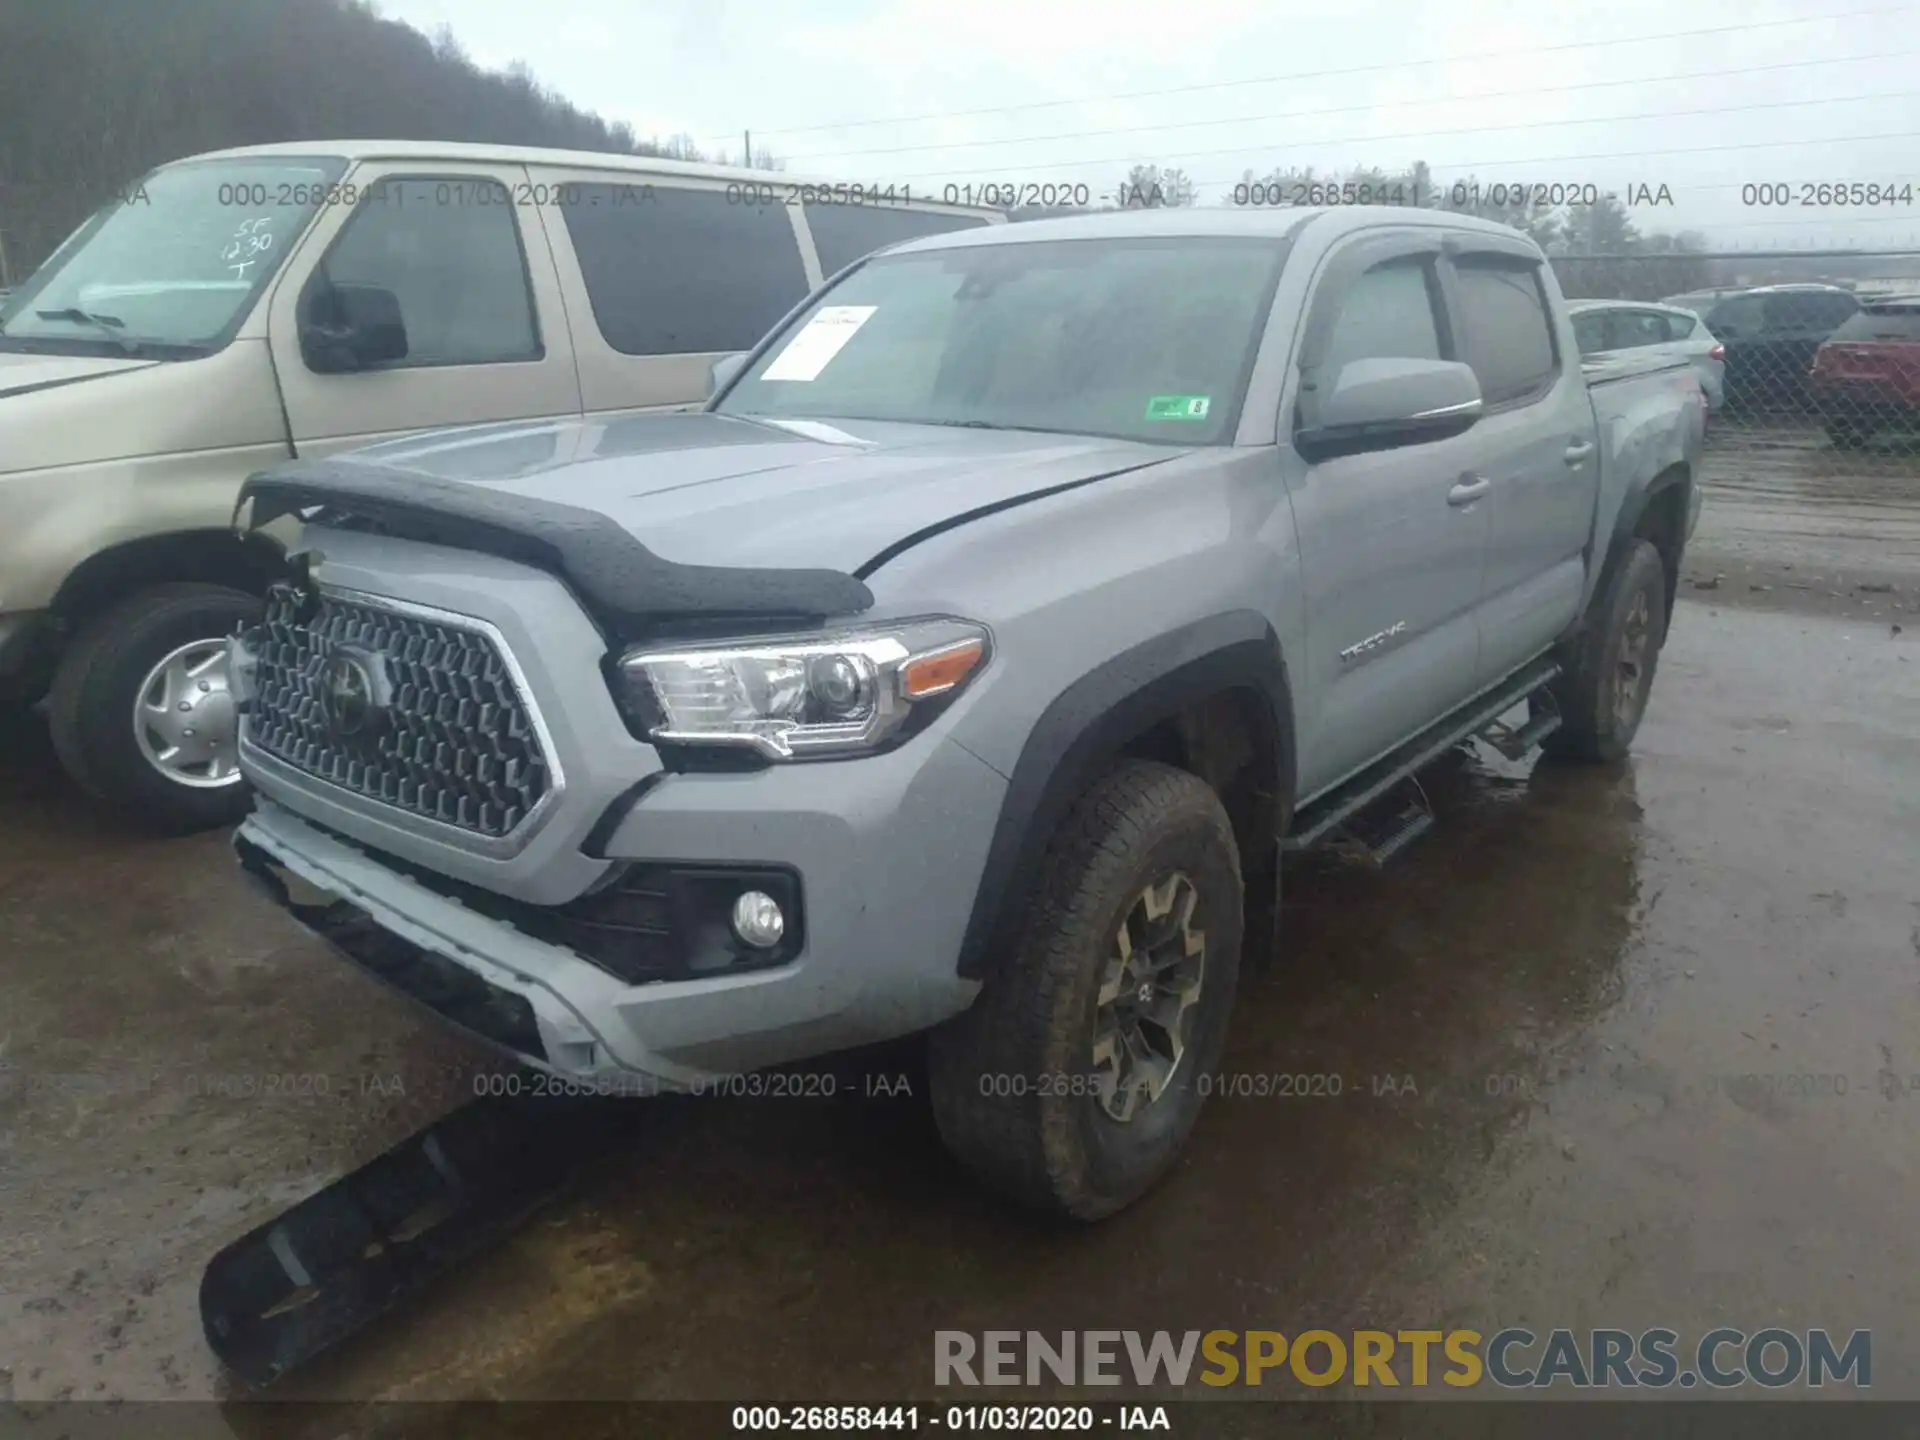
x,y
1090,722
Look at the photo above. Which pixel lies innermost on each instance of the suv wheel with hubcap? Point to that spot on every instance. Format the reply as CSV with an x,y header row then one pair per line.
x,y
140,710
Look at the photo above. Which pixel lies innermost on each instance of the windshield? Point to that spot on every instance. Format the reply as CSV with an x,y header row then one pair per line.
x,y
1139,339
1887,322
1737,318
1699,304
171,268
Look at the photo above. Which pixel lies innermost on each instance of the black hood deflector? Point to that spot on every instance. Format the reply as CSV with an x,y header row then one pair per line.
x,y
628,589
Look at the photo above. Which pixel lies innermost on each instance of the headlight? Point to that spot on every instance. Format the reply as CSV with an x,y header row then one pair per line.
x,y
845,693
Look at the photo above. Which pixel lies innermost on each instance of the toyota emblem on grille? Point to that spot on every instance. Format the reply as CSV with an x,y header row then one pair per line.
x,y
352,695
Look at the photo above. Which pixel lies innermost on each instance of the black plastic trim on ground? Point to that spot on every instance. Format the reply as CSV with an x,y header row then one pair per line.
x,y
322,1270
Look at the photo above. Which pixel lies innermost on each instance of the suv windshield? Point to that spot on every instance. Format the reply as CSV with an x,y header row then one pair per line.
x,y
171,268
1881,322
1138,339
1741,316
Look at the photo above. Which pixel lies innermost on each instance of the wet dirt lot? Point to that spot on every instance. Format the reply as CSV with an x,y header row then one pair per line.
x,y
1634,1048
1790,523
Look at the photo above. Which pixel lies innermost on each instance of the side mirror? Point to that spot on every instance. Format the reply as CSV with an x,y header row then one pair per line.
x,y
1382,404
351,327
724,369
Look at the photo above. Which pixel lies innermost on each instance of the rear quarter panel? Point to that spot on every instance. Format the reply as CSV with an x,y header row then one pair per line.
x,y
1650,416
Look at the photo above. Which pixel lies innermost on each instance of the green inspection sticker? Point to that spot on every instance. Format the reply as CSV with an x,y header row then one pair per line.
x,y
1178,407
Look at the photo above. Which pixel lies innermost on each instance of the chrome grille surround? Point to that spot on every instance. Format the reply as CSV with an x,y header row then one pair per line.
x,y
464,755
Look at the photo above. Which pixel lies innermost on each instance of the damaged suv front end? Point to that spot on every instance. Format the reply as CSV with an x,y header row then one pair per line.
x,y
567,794
644,821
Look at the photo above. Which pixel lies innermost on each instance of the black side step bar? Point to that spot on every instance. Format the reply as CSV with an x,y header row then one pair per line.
x,y
318,1272
1315,822
1381,831
1514,744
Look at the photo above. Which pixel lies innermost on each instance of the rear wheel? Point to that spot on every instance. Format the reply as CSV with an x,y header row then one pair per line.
x,y
1074,1079
1602,693
140,711
1848,434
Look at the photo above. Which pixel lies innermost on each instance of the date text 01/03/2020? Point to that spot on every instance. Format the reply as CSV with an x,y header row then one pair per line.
x,y
1038,1419
1462,194
751,1085
1236,1084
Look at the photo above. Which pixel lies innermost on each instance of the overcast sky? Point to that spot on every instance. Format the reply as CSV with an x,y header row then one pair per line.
x,y
1702,97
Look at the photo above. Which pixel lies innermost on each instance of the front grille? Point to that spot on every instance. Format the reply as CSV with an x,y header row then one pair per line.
x,y
450,738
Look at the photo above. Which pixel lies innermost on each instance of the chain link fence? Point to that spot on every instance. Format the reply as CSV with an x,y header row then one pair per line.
x,y
1810,361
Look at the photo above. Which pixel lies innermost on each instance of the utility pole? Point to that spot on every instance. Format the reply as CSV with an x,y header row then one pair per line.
x,y
746,149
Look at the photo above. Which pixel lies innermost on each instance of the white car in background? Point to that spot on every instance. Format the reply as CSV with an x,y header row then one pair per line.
x,y
1602,326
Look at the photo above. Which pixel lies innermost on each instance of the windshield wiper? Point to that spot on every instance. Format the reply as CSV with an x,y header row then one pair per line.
x,y
107,325
994,425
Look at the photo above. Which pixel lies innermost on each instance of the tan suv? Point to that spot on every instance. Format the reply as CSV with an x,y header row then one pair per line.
x,y
241,307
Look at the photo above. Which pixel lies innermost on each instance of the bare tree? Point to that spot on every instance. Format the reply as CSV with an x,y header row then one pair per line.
x,y
94,95
1149,187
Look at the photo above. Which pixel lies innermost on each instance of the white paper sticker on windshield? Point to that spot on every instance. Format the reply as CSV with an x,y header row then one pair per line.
x,y
819,340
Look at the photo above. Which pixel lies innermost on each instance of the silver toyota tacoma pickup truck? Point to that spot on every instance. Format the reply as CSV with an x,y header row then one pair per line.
x,y
967,665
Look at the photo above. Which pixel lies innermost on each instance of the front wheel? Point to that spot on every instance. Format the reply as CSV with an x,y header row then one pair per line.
x,y
140,711
1602,694
1072,1082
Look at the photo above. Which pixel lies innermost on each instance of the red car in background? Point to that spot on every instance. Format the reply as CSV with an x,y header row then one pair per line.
x,y
1865,379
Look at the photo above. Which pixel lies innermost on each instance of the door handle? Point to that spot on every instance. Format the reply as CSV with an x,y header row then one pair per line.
x,y
1469,489
1578,451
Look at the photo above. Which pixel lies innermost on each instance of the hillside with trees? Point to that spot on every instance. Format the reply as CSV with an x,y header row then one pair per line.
x,y
94,93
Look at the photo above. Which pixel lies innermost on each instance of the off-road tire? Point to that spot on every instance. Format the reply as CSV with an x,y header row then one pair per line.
x,y
1009,1076
1592,729
90,705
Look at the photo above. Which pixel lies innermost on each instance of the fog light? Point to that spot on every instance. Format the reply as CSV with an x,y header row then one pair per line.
x,y
757,919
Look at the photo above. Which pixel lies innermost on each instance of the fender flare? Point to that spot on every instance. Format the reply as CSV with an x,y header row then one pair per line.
x,y
1090,722
218,556
1626,522
1634,506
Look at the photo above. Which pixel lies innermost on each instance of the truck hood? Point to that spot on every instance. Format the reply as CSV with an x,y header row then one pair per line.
x,y
21,374
702,489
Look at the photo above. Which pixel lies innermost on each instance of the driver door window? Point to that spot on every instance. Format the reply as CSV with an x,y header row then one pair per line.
x,y
1390,312
474,282
1387,315
449,252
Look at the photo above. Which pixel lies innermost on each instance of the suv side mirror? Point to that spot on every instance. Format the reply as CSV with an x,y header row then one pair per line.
x,y
724,369
351,327
1383,404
